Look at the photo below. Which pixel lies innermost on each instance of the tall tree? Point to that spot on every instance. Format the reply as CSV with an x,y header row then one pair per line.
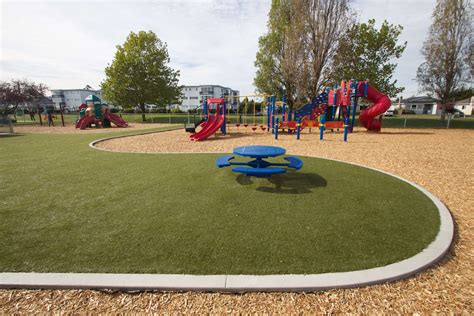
x,y
295,52
366,52
140,75
16,92
447,51
327,22
269,78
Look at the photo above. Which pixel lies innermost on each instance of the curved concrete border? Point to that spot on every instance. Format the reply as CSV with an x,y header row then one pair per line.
x,y
243,283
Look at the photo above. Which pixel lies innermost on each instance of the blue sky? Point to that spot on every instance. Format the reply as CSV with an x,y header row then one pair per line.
x,y
67,44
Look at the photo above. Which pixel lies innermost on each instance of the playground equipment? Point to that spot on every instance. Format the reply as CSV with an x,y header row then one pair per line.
x,y
212,123
94,112
333,109
242,119
258,167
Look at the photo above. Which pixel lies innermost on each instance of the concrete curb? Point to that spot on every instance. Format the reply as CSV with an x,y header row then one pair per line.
x,y
245,283
94,142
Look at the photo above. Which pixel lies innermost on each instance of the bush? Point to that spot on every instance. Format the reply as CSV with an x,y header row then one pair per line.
x,y
128,110
176,110
410,112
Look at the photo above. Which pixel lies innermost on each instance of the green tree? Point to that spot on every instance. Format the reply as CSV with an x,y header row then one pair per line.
x,y
366,52
140,75
447,51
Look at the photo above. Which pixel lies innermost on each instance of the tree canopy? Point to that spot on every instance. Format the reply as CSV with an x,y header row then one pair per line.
x,y
366,52
295,53
447,51
140,74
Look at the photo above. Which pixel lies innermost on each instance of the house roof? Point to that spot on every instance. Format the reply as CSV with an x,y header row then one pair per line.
x,y
420,99
465,101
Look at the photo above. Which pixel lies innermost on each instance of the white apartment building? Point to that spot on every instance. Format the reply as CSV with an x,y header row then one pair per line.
x,y
71,99
193,96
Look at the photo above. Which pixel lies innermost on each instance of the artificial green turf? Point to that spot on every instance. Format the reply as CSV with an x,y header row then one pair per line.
x,y
69,208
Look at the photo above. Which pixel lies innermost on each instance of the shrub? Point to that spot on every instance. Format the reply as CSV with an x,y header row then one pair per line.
x,y
410,112
176,110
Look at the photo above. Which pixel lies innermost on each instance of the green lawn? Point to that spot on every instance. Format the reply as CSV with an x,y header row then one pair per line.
x,y
69,208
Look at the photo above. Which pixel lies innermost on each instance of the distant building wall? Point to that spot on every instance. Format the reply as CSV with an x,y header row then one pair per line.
x,y
193,96
72,98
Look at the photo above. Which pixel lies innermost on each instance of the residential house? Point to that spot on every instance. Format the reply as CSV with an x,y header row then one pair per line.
x,y
421,105
465,106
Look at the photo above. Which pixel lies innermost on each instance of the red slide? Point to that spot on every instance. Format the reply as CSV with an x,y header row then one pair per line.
x,y
84,122
214,122
381,103
114,118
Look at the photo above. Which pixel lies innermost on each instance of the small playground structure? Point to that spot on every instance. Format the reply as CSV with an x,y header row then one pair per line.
x,y
94,112
258,167
333,110
212,123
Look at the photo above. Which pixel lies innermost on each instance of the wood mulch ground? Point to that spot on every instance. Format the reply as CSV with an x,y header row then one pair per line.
x,y
439,160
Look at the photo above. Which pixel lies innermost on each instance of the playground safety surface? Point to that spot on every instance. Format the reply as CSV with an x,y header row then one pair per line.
x,y
439,160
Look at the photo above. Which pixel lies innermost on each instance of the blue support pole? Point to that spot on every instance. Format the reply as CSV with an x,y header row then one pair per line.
x,y
269,100
322,124
298,129
333,115
223,112
346,129
353,91
273,114
276,128
205,109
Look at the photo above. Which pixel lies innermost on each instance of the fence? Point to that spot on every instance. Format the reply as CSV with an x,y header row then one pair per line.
x,y
405,121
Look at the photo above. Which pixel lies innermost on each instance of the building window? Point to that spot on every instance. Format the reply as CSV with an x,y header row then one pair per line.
x,y
463,107
413,106
207,90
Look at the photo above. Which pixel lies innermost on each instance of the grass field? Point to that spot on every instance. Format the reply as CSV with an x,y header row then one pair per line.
x,y
69,208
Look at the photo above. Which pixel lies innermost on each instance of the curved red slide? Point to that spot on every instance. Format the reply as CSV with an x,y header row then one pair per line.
x,y
84,122
381,103
204,126
215,122
114,118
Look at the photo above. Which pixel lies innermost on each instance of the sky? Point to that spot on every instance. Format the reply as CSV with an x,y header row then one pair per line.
x,y
68,44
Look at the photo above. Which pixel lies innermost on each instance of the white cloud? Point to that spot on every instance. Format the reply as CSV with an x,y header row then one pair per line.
x,y
67,44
